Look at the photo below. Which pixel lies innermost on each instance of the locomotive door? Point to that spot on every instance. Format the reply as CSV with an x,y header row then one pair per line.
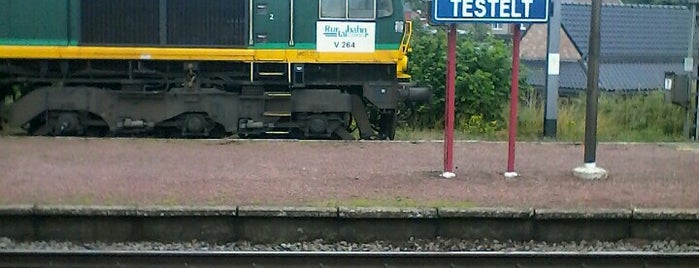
x,y
271,23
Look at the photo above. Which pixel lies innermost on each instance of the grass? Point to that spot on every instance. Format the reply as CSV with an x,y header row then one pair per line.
x,y
621,118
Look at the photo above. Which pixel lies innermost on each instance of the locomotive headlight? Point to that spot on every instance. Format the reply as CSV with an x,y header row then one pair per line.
x,y
403,64
400,26
402,68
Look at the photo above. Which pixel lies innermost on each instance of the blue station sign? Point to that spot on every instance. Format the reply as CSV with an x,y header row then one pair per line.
x,y
490,11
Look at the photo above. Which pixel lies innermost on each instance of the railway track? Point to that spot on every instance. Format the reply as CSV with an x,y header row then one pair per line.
x,y
343,259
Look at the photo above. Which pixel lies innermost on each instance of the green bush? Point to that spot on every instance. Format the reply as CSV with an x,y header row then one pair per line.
x,y
483,71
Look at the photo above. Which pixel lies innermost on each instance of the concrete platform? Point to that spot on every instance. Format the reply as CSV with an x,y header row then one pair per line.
x,y
147,172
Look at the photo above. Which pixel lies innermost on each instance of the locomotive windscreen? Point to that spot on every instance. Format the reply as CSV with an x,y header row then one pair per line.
x,y
180,23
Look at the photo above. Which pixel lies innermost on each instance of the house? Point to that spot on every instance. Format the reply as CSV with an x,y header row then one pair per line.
x,y
409,13
505,31
639,43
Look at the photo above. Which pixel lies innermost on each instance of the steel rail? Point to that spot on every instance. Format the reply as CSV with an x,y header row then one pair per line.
x,y
343,259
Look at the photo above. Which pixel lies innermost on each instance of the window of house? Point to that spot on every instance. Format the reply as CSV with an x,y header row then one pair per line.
x,y
355,9
498,26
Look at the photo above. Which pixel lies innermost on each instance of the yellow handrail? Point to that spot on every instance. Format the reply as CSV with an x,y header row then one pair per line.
x,y
407,35
402,64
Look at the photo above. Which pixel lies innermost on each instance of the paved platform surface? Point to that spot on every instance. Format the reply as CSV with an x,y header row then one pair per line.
x,y
75,171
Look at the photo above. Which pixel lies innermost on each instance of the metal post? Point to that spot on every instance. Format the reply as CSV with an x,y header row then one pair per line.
x,y
689,69
514,99
691,55
449,105
592,85
590,169
696,113
553,66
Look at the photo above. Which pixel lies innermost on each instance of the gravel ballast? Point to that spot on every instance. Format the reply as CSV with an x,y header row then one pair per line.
x,y
419,245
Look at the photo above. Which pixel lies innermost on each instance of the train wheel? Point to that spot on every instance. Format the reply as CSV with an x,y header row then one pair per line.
x,y
98,132
387,125
68,124
218,132
38,128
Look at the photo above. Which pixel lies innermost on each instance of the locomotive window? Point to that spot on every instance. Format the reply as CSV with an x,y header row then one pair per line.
x,y
384,8
348,9
333,9
361,9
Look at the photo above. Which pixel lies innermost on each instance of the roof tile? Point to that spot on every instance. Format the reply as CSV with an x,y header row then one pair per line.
x,y
632,31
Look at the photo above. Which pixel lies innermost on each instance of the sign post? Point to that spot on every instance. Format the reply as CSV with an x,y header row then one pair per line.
x,y
449,105
484,11
514,99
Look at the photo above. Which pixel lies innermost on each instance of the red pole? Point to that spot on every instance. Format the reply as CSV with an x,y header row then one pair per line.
x,y
449,105
514,99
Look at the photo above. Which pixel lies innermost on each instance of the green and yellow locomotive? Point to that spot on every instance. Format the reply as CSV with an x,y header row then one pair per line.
x,y
206,68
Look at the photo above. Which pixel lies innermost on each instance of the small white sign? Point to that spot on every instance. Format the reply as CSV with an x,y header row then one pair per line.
x,y
554,64
333,36
688,64
668,83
